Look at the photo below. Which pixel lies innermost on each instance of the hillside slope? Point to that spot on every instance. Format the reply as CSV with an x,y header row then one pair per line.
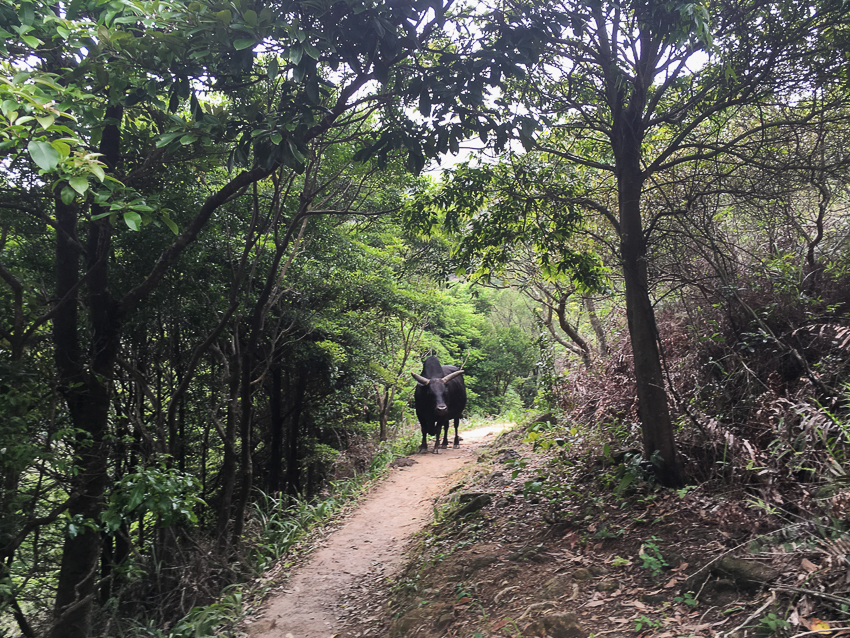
x,y
556,550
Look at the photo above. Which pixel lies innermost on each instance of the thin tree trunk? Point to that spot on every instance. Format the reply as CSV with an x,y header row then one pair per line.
x,y
596,324
87,395
293,471
228,466
276,434
246,473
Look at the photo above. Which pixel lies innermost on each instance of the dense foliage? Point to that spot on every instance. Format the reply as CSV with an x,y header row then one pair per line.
x,y
220,264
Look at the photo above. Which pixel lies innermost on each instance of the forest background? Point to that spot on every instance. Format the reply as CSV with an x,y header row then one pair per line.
x,y
221,261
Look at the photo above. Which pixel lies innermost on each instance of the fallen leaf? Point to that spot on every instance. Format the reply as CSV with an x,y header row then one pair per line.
x,y
595,603
816,624
808,565
500,624
671,583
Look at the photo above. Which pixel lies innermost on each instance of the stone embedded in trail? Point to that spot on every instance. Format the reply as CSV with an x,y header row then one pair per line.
x,y
747,574
608,585
507,455
556,587
556,626
403,461
478,502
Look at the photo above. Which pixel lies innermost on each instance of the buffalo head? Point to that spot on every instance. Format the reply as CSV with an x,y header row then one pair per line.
x,y
437,389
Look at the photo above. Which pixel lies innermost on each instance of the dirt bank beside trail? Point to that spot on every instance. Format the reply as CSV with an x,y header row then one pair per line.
x,y
370,545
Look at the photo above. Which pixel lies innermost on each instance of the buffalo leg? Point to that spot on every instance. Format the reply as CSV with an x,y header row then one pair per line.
x,y
423,448
437,440
445,435
457,438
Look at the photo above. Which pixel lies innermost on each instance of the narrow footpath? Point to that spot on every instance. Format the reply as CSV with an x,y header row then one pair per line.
x,y
322,594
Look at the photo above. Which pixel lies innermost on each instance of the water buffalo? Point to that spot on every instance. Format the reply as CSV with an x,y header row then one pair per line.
x,y
440,395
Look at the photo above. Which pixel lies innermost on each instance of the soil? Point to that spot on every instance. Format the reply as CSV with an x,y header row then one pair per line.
x,y
534,540
326,595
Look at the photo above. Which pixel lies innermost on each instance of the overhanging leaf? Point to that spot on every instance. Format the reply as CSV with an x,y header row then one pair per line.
x,y
43,154
133,220
79,184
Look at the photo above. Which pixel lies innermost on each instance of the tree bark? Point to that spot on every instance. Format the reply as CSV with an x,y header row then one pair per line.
x,y
276,426
246,474
86,386
293,471
598,328
656,424
228,466
88,396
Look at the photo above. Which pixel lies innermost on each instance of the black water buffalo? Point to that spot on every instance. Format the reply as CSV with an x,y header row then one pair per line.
x,y
440,395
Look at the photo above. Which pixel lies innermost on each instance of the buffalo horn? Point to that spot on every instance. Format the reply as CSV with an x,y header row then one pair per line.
x,y
421,380
451,376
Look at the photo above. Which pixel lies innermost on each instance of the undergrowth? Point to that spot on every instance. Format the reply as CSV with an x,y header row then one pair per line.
x,y
275,535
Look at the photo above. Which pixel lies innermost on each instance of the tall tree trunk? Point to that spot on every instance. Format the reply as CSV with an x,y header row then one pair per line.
x,y
86,386
87,394
384,405
656,424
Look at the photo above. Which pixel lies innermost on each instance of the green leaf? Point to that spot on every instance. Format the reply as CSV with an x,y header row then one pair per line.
x,y
244,43
63,148
98,172
27,13
133,220
250,16
79,184
274,68
295,54
295,152
46,121
170,223
167,138
31,41
310,50
224,16
68,195
43,154
313,90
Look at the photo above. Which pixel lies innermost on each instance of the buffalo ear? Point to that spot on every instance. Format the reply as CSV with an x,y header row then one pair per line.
x,y
420,380
451,376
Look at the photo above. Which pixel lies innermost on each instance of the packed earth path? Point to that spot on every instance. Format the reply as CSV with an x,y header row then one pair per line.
x,y
320,595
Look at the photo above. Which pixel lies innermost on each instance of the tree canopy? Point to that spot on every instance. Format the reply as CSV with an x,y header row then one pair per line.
x,y
220,259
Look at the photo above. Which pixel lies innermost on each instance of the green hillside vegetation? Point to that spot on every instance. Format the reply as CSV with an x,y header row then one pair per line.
x,y
221,257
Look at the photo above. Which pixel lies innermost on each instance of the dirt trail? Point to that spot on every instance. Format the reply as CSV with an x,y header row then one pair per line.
x,y
367,548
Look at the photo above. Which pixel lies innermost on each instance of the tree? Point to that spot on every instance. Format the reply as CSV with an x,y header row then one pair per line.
x,y
629,90
98,102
